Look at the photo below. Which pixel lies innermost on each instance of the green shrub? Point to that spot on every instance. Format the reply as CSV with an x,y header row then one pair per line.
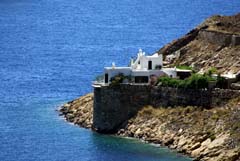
x,y
211,71
196,81
170,82
116,80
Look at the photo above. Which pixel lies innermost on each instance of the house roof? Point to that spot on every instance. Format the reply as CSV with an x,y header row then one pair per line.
x,y
109,68
153,56
183,70
228,75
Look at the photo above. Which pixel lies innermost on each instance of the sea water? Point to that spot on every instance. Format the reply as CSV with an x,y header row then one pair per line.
x,y
51,50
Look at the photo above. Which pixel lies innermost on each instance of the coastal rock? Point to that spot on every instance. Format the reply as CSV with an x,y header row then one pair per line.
x,y
218,142
195,146
79,111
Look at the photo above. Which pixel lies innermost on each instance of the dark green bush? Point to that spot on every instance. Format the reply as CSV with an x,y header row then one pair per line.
x,y
116,80
211,71
196,81
170,82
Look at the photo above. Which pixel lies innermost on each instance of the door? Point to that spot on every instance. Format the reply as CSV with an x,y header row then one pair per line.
x,y
150,65
106,78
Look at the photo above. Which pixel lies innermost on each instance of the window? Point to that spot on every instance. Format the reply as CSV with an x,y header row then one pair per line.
x,y
150,65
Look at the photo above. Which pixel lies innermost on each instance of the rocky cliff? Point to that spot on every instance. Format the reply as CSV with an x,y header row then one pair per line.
x,y
205,134
214,43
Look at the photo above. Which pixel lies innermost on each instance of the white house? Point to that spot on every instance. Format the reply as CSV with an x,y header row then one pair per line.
x,y
142,69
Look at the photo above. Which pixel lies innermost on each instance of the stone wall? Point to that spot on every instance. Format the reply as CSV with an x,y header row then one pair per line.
x,y
113,106
220,96
235,40
166,96
223,39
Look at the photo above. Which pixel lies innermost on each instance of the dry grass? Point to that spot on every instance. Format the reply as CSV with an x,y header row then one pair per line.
x,y
201,121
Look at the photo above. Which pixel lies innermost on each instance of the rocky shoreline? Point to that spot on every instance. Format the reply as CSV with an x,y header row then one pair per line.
x,y
79,111
204,134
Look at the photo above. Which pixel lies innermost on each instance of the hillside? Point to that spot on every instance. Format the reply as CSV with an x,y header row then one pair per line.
x,y
214,43
209,134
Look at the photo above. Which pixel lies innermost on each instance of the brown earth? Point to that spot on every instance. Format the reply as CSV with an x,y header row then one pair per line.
x,y
212,50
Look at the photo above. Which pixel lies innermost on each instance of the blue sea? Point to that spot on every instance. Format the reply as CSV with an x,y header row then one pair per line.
x,y
51,50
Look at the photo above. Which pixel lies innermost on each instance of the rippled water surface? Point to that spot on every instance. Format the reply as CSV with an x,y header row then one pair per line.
x,y
50,50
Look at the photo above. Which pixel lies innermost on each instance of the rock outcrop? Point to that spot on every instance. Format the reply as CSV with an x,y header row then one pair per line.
x,y
79,111
214,43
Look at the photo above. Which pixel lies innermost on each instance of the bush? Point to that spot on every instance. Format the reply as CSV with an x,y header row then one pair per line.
x,y
170,82
196,81
116,80
211,71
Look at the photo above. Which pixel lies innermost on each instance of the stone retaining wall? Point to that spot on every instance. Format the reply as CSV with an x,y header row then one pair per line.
x,y
220,96
223,39
166,96
113,106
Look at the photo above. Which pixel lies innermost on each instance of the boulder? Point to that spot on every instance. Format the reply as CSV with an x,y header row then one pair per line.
x,y
235,86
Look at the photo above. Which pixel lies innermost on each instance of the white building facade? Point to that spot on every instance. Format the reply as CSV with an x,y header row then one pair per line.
x,y
141,70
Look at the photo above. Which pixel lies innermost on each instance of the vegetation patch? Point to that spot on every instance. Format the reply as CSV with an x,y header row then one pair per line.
x,y
118,79
196,81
